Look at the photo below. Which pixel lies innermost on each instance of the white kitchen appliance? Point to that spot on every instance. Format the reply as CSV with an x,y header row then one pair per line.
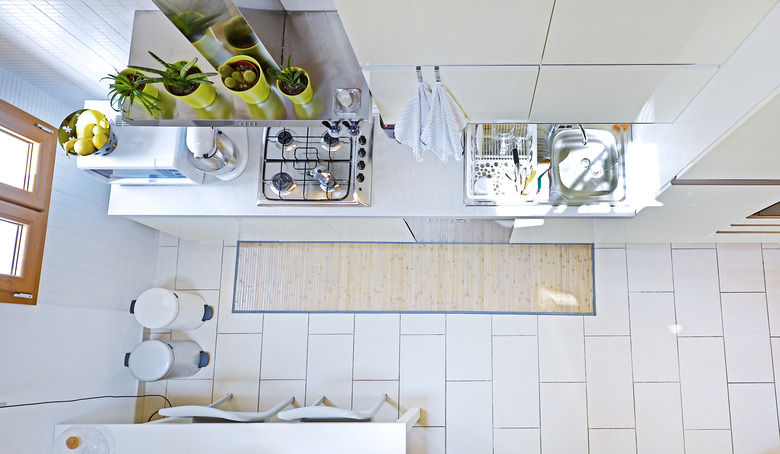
x,y
145,155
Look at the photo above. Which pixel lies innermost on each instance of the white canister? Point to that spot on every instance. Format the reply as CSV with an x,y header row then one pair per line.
x,y
154,360
159,308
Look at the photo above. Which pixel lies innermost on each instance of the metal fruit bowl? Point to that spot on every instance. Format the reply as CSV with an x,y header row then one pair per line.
x,y
67,132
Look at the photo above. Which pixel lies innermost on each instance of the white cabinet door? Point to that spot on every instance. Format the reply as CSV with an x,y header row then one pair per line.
x,y
616,94
446,32
486,94
749,151
324,229
650,32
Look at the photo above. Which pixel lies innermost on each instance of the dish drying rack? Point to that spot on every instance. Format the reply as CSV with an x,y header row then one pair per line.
x,y
491,174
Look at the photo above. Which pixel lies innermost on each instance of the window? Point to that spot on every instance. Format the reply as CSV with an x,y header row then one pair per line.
x,y
27,147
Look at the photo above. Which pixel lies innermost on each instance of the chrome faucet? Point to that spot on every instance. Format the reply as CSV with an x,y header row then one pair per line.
x,y
584,135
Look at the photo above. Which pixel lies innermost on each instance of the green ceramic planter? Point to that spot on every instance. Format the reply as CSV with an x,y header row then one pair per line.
x,y
201,98
259,91
302,97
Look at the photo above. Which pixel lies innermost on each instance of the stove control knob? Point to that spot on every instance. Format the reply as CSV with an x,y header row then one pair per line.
x,y
361,165
362,152
362,140
360,178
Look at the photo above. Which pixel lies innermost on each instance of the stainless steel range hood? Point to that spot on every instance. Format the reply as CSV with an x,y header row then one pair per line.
x,y
315,39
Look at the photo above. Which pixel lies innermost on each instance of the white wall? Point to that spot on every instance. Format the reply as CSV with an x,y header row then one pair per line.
x,y
72,343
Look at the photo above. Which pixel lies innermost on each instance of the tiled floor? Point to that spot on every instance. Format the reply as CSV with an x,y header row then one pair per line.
x,y
679,358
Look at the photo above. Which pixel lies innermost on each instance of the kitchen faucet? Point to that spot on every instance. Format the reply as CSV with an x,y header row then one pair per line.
x,y
553,127
584,136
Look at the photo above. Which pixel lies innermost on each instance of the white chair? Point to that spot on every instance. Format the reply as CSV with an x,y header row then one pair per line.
x,y
210,412
320,413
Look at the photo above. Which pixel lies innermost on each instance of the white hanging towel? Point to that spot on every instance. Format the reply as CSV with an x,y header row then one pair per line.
x,y
408,129
441,132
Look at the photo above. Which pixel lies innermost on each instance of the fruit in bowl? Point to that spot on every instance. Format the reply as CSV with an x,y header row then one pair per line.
x,y
85,132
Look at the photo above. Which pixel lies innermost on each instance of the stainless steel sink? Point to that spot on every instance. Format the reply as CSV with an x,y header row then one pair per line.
x,y
584,171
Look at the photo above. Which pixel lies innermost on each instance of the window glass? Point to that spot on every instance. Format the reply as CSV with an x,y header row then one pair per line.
x,y
13,237
18,161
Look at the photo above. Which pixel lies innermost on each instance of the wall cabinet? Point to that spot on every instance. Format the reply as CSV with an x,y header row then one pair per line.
x,y
486,94
446,32
599,62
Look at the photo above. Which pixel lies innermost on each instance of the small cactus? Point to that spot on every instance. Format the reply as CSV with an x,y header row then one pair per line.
x,y
250,76
231,83
238,76
225,71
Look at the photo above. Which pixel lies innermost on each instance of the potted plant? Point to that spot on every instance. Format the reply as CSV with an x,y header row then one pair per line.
x,y
293,82
239,34
243,76
125,89
183,80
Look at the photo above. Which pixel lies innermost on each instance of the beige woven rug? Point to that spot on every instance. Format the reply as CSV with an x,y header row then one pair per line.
x,y
413,277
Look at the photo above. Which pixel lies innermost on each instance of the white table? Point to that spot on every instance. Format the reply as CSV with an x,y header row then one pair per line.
x,y
258,438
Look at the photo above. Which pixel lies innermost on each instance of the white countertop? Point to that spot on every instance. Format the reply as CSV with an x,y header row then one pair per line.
x,y
401,187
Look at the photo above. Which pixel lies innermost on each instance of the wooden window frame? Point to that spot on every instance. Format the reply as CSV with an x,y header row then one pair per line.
x,y
28,207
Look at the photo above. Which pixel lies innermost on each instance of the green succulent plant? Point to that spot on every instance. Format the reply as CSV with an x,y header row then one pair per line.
x,y
175,74
129,87
237,80
296,80
193,19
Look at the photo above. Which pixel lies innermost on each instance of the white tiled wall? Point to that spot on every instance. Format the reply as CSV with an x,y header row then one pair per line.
x,y
90,259
671,364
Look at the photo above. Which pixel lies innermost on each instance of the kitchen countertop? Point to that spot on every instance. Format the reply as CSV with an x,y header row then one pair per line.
x,y
402,187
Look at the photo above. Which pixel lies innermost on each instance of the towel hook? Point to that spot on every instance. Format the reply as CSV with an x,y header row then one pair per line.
x,y
419,74
438,76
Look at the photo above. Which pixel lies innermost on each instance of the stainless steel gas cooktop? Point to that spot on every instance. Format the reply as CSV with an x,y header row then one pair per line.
x,y
323,165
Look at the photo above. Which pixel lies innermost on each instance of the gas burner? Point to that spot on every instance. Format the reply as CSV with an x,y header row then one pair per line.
x,y
330,143
285,140
282,183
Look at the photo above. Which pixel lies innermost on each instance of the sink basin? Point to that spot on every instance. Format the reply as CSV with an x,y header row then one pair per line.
x,y
591,172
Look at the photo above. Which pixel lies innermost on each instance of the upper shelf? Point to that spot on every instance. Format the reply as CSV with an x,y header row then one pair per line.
x,y
315,39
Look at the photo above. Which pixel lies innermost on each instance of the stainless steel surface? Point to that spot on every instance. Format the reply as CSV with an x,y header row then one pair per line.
x,y
217,29
318,173
315,39
587,172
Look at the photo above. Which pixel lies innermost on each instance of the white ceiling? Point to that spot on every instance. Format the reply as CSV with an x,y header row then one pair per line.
x,y
64,47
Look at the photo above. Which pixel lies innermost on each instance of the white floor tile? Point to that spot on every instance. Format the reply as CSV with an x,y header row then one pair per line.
x,y
514,325
153,404
515,381
166,267
705,399
205,335
230,322
564,418
468,347
366,393
190,392
425,440
331,323
517,441
274,391
469,427
422,377
329,369
697,292
285,337
612,441
659,426
237,370
377,344
753,418
740,267
772,278
708,442
609,382
776,363
561,349
423,323
653,344
609,245
649,267
693,245
611,290
199,265
746,335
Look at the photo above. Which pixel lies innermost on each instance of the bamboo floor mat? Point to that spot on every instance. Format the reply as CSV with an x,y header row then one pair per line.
x,y
414,277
